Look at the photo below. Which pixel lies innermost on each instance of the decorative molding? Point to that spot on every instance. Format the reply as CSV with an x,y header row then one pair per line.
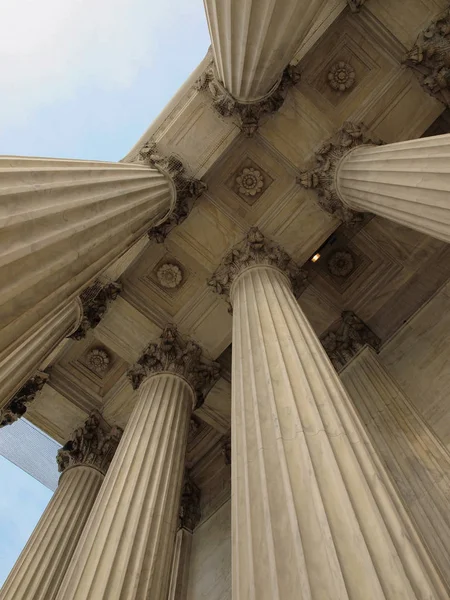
x,y
18,404
98,360
226,451
248,115
93,444
322,176
341,76
169,275
95,301
341,263
355,5
346,338
430,58
188,189
175,355
190,513
253,250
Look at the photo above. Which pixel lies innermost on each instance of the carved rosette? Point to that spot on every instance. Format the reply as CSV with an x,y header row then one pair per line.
x,y
430,58
18,404
341,76
355,5
248,115
190,513
344,340
322,176
93,444
187,188
256,249
95,301
174,355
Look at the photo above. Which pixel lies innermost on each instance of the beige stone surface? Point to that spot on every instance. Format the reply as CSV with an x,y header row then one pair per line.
x,y
415,458
127,545
179,576
254,40
210,565
41,566
407,182
419,359
307,483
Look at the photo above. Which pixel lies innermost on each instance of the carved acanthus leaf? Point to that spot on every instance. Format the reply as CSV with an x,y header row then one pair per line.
x,y
190,513
355,5
430,58
253,250
175,355
18,404
188,189
248,115
93,444
322,176
344,340
95,301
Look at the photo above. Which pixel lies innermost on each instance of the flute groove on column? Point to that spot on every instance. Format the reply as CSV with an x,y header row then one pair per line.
x,y
314,513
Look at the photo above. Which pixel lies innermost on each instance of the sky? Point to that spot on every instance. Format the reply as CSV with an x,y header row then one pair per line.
x,y
83,79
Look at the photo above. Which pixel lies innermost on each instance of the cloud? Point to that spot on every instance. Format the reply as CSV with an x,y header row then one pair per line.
x,y
52,49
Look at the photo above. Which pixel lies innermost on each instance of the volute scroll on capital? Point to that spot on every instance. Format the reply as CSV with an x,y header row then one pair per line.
x,y
187,189
94,444
255,250
95,301
174,355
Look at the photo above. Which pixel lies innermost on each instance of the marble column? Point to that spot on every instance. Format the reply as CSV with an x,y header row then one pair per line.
x,y
62,222
84,460
413,455
314,513
189,517
18,405
26,356
253,41
126,549
406,182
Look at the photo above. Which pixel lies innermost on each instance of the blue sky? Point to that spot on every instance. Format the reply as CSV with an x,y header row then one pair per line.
x,y
83,79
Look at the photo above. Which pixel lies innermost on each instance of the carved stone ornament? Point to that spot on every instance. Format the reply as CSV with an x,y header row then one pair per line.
x,y
250,181
93,444
253,250
95,302
343,341
190,513
98,360
169,275
355,5
322,177
341,263
18,404
226,451
248,115
175,355
430,58
341,76
187,188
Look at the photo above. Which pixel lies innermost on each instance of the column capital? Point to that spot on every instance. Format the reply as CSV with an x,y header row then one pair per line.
x,y
355,5
187,189
181,357
346,338
93,445
430,58
248,114
255,249
18,404
322,177
190,513
95,300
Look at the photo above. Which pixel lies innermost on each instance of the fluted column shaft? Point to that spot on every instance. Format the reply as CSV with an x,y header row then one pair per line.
x,y
179,578
254,40
315,515
416,459
126,549
61,223
25,358
42,564
407,182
